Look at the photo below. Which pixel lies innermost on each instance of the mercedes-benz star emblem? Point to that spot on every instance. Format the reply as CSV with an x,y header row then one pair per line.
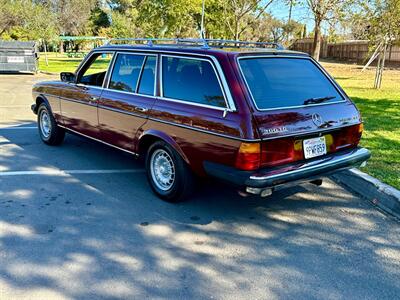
x,y
317,119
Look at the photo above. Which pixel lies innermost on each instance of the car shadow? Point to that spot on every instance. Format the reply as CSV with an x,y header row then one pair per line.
x,y
106,236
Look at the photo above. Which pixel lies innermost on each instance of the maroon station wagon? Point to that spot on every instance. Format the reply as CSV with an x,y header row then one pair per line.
x,y
251,114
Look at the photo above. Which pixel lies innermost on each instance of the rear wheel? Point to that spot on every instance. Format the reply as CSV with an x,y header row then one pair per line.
x,y
169,176
49,131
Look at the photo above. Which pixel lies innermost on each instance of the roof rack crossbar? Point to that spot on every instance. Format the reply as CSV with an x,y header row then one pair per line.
x,y
204,43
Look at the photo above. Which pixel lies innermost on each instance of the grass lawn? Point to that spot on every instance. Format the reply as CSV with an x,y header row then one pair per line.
x,y
381,114
58,63
380,110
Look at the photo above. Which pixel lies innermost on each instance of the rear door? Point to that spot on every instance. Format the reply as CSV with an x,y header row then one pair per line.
x,y
195,108
127,98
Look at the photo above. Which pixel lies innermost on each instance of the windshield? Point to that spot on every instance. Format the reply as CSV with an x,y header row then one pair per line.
x,y
285,82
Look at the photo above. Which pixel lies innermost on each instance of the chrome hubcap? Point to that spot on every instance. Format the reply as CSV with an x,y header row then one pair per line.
x,y
162,169
45,124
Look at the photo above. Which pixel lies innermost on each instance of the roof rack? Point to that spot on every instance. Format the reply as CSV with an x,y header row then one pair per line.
x,y
204,43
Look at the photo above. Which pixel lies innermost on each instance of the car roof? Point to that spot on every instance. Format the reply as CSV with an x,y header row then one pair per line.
x,y
215,51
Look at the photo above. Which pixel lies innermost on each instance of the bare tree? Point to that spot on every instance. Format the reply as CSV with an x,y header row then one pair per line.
x,y
236,11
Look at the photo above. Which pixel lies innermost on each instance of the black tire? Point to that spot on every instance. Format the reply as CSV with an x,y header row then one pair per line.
x,y
182,184
50,133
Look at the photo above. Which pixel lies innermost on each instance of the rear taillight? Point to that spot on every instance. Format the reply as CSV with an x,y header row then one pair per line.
x,y
347,137
249,156
281,151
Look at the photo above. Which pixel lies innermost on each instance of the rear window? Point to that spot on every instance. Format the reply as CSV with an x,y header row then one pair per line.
x,y
286,82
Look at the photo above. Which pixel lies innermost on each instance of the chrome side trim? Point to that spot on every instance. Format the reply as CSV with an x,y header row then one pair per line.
x,y
321,131
76,101
204,131
230,106
89,86
192,103
123,111
292,57
97,140
130,93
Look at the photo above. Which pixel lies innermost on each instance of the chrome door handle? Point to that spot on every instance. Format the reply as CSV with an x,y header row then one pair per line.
x,y
93,99
142,109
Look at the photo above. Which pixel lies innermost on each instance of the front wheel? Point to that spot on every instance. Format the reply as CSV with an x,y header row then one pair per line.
x,y
169,176
49,132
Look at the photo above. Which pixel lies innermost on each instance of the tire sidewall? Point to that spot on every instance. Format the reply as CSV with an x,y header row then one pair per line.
x,y
174,193
43,107
57,134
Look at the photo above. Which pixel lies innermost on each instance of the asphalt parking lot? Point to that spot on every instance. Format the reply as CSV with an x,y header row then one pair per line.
x,y
79,222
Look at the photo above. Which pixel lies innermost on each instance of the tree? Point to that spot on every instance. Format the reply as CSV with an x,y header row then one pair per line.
x,y
72,16
236,14
11,15
324,10
379,22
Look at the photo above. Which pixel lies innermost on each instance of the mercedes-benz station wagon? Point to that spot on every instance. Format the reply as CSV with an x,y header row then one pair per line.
x,y
250,114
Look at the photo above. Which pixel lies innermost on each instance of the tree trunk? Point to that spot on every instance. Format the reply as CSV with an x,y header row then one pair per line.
x,y
45,53
61,47
237,30
290,11
317,40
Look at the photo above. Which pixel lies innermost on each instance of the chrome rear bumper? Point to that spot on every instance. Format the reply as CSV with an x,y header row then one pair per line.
x,y
287,175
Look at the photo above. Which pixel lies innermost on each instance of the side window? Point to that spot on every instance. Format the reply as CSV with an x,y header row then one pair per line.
x,y
191,80
95,69
126,72
147,80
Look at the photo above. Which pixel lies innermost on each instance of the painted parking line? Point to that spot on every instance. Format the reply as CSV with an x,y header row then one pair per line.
x,y
17,128
15,106
52,172
29,125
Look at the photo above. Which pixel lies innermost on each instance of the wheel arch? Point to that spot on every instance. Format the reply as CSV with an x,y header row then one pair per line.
x,y
150,136
39,100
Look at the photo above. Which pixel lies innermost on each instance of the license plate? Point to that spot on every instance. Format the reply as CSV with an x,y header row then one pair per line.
x,y
15,59
314,147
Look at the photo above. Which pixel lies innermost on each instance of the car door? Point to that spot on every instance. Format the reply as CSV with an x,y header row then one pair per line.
x,y
196,108
127,98
79,100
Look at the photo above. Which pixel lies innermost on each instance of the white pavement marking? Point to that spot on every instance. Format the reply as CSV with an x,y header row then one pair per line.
x,y
13,128
68,172
16,106
18,126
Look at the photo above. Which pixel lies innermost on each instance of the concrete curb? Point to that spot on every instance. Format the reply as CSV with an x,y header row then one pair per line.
x,y
380,194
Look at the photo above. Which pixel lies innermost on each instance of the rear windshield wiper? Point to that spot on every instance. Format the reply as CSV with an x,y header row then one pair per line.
x,y
318,100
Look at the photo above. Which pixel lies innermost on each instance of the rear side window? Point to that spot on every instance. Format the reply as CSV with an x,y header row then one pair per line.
x,y
126,72
286,82
146,86
191,80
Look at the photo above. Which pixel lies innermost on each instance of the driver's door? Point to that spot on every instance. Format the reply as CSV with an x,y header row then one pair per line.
x,y
79,100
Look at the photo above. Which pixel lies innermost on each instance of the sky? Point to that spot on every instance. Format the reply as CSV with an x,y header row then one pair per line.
x,y
300,13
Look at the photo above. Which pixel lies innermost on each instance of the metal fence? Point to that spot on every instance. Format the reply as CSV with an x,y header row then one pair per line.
x,y
356,51
16,56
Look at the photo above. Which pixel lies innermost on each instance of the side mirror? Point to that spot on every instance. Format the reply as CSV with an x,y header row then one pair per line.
x,y
68,77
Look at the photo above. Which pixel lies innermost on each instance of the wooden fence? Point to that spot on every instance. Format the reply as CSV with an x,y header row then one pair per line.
x,y
356,51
